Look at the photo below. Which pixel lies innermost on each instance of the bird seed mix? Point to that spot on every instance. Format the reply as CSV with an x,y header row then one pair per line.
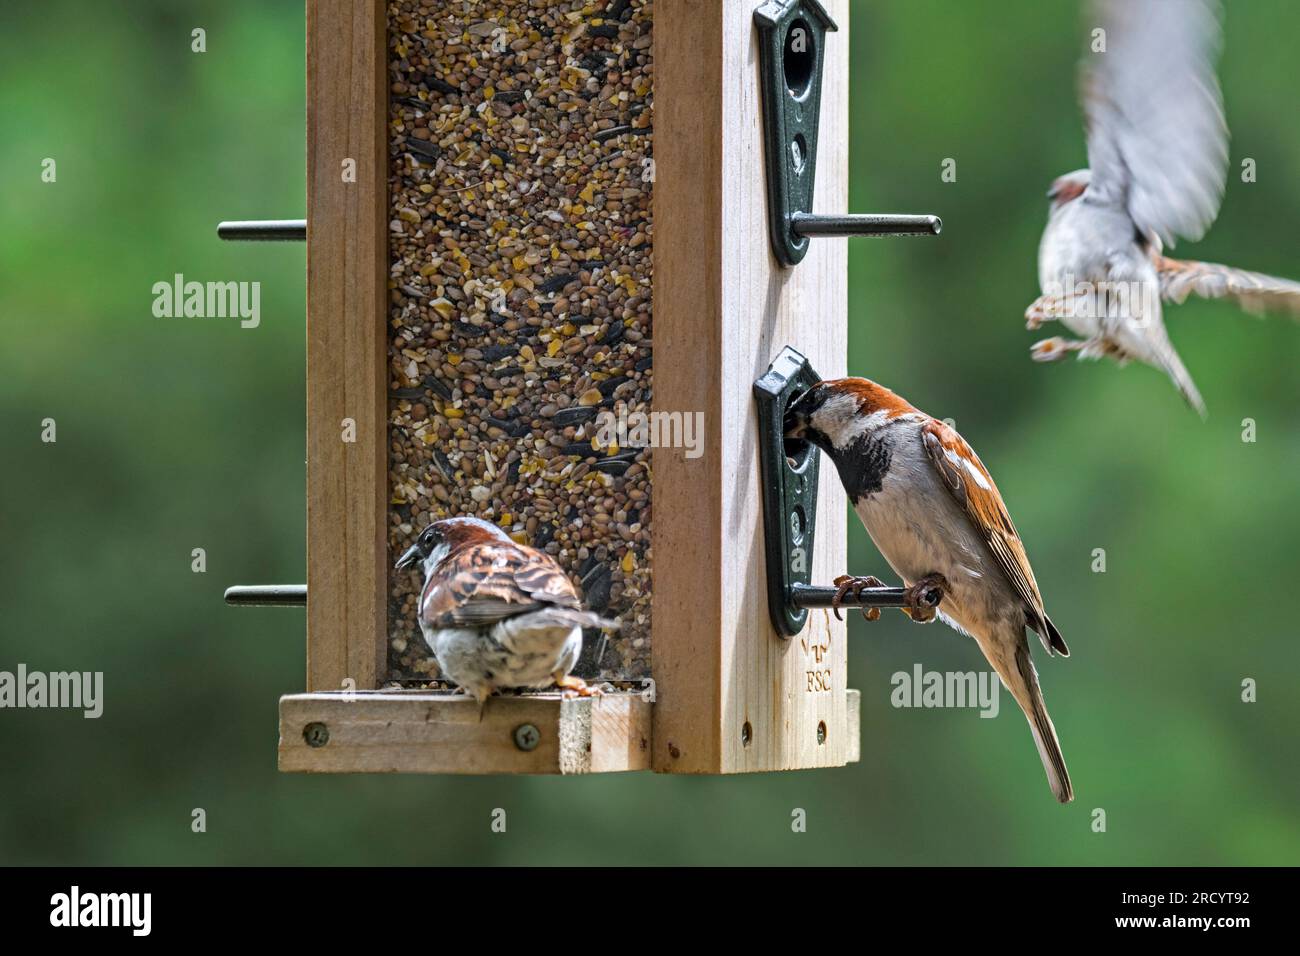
x,y
520,175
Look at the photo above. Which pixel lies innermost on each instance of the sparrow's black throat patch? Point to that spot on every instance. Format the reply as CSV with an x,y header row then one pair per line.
x,y
862,465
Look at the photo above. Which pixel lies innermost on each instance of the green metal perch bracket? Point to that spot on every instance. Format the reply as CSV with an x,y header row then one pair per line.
x,y
792,35
789,489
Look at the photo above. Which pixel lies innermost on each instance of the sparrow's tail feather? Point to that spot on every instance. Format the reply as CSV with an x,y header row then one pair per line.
x,y
570,617
1054,638
1253,291
1182,379
1031,702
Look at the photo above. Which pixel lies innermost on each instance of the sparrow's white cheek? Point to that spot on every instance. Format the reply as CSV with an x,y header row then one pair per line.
x,y
435,557
840,421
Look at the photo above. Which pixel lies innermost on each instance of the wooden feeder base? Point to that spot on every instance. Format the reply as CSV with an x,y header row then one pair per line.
x,y
397,731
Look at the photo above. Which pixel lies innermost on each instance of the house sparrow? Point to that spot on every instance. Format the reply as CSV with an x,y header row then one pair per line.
x,y
935,515
1158,158
497,614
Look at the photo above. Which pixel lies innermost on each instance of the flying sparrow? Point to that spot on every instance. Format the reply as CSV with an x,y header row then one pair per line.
x,y
1158,158
935,515
497,614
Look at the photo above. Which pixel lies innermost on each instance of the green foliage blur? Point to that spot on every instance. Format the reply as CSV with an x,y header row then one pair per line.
x,y
185,433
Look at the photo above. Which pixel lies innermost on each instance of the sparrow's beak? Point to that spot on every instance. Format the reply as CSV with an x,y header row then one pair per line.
x,y
411,557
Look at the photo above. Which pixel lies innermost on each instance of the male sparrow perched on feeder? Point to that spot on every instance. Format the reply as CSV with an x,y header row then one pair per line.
x,y
935,515
497,614
1158,158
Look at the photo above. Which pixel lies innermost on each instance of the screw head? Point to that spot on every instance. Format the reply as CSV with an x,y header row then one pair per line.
x,y
796,155
821,731
527,737
316,734
797,524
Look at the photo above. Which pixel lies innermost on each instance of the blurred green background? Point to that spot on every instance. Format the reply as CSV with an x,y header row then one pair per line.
x,y
176,434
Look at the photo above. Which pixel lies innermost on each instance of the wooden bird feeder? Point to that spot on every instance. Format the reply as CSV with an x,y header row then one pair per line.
x,y
516,224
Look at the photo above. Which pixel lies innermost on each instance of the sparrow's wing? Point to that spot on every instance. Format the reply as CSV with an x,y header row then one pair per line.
x,y
1253,291
485,583
972,486
1157,140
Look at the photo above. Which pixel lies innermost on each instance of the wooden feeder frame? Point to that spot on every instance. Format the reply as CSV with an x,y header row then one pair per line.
x,y
728,693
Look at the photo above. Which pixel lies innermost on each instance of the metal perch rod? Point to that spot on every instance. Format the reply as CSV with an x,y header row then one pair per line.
x,y
267,595
264,230
802,595
805,224
812,596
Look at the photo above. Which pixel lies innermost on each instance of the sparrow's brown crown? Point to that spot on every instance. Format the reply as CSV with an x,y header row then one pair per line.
x,y
449,535
460,532
871,397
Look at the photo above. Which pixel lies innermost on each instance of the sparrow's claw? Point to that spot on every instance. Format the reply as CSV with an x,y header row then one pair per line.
x,y
847,584
571,687
1043,309
1054,349
924,596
